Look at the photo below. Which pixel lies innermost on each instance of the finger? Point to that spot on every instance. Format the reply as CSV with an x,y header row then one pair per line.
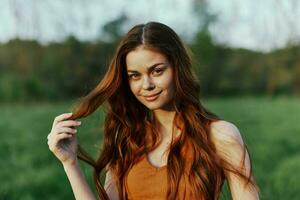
x,y
62,136
50,135
60,130
68,123
53,143
62,117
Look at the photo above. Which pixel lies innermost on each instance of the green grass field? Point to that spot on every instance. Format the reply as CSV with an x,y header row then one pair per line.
x,y
270,128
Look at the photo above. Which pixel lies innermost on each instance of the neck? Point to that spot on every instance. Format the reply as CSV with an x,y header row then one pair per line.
x,y
164,121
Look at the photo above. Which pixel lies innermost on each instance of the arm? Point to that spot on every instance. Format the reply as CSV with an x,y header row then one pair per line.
x,y
230,147
110,187
62,141
78,183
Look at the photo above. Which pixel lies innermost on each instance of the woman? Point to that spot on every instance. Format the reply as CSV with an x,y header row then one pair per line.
x,y
159,141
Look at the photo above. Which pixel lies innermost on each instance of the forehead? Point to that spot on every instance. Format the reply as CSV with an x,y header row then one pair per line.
x,y
141,58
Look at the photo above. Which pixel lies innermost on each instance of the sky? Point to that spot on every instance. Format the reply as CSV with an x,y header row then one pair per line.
x,y
254,24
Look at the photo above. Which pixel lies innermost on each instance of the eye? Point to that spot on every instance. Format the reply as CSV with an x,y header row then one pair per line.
x,y
133,76
157,71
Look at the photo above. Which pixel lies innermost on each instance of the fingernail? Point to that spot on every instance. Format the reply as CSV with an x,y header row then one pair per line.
x,y
79,123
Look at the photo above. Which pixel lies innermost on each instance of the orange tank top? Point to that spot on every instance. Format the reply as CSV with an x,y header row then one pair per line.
x,y
145,181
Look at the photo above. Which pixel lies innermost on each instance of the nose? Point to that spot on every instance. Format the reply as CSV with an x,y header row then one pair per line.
x,y
147,83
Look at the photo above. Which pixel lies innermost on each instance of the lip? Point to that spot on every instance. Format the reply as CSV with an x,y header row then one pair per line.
x,y
152,97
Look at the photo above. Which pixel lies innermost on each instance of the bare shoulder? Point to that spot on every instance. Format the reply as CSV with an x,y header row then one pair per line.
x,y
228,142
225,132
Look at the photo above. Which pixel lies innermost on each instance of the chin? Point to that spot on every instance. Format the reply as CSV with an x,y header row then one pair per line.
x,y
152,107
155,105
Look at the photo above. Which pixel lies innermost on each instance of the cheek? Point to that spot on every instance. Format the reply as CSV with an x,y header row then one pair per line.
x,y
165,83
134,87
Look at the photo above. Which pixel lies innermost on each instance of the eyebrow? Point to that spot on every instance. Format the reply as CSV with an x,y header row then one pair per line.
x,y
149,68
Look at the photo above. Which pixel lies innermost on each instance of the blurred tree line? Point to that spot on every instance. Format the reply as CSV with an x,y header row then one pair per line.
x,y
229,71
30,71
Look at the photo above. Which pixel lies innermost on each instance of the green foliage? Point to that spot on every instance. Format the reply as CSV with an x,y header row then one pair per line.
x,y
285,177
228,71
30,71
28,169
113,29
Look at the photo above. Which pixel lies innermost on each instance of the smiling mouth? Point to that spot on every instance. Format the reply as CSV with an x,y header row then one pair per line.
x,y
152,97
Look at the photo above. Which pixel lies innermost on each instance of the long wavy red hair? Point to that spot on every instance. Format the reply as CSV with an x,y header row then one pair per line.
x,y
128,129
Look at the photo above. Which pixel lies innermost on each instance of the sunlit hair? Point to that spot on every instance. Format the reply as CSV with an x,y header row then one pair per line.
x,y
129,132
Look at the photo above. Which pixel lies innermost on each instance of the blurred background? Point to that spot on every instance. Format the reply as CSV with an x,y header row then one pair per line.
x,y
246,54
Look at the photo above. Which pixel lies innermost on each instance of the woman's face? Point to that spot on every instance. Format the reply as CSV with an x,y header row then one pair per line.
x,y
150,78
